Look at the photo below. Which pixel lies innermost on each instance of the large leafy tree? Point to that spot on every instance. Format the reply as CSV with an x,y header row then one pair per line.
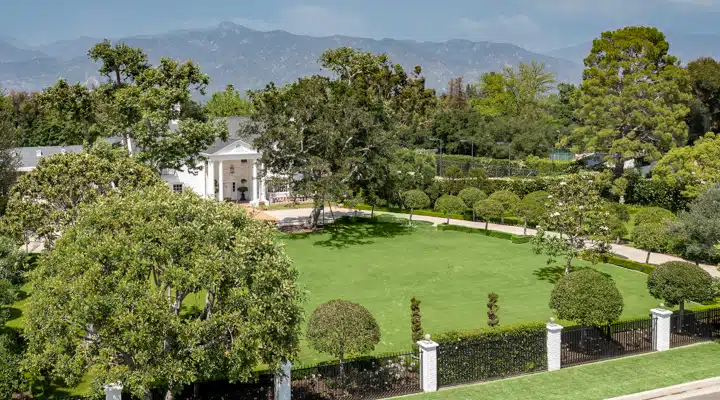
x,y
68,115
144,105
160,290
228,103
586,297
575,221
46,200
698,228
331,134
676,282
705,79
691,169
634,98
9,161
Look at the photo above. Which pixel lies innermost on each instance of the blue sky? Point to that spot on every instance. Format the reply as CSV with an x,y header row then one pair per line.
x,y
535,24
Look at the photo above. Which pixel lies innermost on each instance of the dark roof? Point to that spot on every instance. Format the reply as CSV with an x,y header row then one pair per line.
x,y
30,156
235,128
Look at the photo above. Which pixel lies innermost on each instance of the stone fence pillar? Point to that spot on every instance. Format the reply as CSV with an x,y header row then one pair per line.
x,y
661,329
283,387
554,345
428,364
113,391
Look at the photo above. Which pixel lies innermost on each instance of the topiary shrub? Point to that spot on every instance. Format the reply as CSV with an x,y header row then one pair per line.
x,y
676,282
651,237
415,199
653,215
450,205
509,200
586,297
488,209
471,196
415,321
493,319
532,207
342,328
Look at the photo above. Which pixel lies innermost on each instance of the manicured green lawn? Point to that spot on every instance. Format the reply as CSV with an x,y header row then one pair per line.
x,y
382,266
599,380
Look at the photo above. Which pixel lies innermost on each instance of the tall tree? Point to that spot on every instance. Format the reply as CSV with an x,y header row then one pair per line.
x,y
331,133
691,169
228,103
9,161
113,296
144,104
634,98
68,116
705,79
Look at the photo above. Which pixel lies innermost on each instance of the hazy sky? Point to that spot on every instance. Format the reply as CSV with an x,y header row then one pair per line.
x,y
536,24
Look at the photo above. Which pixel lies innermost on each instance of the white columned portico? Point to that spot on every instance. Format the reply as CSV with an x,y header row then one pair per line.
x,y
221,187
210,188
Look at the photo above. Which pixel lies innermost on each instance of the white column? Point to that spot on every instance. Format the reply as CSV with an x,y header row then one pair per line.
x,y
113,391
428,364
211,180
254,183
283,386
263,189
661,324
554,345
221,186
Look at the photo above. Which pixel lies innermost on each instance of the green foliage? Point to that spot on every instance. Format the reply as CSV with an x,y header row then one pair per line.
x,y
488,209
228,104
705,79
493,319
504,331
532,207
698,229
470,196
48,198
624,263
676,282
521,239
654,192
14,262
9,138
341,328
509,200
450,205
11,355
497,234
586,297
626,72
691,169
652,237
576,212
415,199
114,294
415,321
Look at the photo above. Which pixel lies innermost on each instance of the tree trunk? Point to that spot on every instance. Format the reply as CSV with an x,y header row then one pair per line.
x,y
567,265
372,212
619,167
681,317
411,210
473,215
314,217
487,221
448,219
525,228
169,395
502,219
647,259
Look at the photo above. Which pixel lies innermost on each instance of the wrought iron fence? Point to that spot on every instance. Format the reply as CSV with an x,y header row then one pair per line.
x,y
359,379
491,358
262,389
589,343
694,327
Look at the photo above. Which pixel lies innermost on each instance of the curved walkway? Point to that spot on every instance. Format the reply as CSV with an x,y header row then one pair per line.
x,y
301,216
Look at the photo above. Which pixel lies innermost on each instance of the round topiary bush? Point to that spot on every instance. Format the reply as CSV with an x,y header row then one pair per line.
x,y
675,282
471,196
342,328
653,215
586,297
532,207
487,209
450,205
415,199
509,200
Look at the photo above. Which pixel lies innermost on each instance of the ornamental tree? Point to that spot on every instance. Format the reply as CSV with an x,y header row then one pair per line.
x,y
698,228
342,328
586,297
492,306
47,199
228,103
651,237
158,290
532,207
654,215
691,169
574,222
509,200
471,196
634,98
415,321
487,209
676,282
415,199
449,205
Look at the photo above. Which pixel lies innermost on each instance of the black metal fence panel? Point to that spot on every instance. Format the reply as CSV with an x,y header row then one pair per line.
x,y
492,358
262,389
360,379
585,344
694,327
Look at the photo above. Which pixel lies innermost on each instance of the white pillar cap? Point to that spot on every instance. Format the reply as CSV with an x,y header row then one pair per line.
x,y
427,344
552,326
661,312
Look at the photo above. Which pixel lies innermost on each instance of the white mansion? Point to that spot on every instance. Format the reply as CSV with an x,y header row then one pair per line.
x,y
229,172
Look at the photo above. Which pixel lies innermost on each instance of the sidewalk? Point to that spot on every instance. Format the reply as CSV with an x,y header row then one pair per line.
x,y
301,215
705,389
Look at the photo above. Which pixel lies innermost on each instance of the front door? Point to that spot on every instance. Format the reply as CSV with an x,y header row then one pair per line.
x,y
227,191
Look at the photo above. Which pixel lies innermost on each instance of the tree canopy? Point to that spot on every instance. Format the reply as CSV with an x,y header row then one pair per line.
x,y
691,169
676,282
634,98
229,103
586,297
698,228
159,290
488,209
449,205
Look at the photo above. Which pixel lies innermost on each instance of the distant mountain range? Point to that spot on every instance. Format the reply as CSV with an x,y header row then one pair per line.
x,y
249,59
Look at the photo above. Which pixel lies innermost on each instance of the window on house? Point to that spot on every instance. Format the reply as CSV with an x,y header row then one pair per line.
x,y
178,188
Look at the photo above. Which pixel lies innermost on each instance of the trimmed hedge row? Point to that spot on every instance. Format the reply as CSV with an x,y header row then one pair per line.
x,y
430,213
489,333
541,165
629,264
500,235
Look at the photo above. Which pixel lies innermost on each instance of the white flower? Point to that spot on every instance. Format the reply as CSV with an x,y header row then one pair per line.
x,y
604,228
556,214
581,208
550,196
563,183
560,204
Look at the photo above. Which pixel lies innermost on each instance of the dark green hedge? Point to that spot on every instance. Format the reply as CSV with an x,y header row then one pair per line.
x,y
521,239
501,235
489,333
648,192
625,263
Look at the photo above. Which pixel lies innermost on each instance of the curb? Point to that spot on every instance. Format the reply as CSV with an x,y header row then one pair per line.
x,y
682,391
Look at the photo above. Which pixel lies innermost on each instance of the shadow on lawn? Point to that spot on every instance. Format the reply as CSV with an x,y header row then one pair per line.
x,y
553,274
361,231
